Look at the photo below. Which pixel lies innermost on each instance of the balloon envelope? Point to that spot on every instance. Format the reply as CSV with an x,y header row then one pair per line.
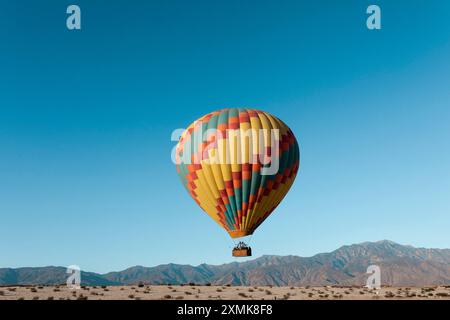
x,y
237,164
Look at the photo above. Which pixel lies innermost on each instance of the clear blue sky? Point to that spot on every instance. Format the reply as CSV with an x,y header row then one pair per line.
x,y
86,116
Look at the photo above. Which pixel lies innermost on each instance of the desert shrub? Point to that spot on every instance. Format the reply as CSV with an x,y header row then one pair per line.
x,y
187,293
2,293
131,296
33,289
140,284
219,290
179,298
56,290
208,284
50,298
192,284
81,297
40,287
174,290
35,298
11,289
21,298
268,292
242,294
167,296
442,294
104,287
251,290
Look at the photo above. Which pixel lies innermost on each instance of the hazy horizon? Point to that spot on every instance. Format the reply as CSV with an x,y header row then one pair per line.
x,y
238,260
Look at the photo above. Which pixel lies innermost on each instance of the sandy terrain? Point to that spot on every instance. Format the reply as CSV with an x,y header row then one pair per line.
x,y
193,292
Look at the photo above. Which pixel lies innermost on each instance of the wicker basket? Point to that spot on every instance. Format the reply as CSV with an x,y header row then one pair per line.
x,y
246,252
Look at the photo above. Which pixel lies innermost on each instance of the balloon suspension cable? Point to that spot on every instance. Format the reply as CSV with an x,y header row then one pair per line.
x,y
232,241
250,239
247,242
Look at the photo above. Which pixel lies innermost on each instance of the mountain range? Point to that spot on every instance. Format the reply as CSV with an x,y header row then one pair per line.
x,y
400,265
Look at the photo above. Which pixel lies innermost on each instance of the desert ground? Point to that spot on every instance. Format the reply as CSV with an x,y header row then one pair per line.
x,y
201,292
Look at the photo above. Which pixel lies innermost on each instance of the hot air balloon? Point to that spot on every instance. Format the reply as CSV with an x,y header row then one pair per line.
x,y
238,164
